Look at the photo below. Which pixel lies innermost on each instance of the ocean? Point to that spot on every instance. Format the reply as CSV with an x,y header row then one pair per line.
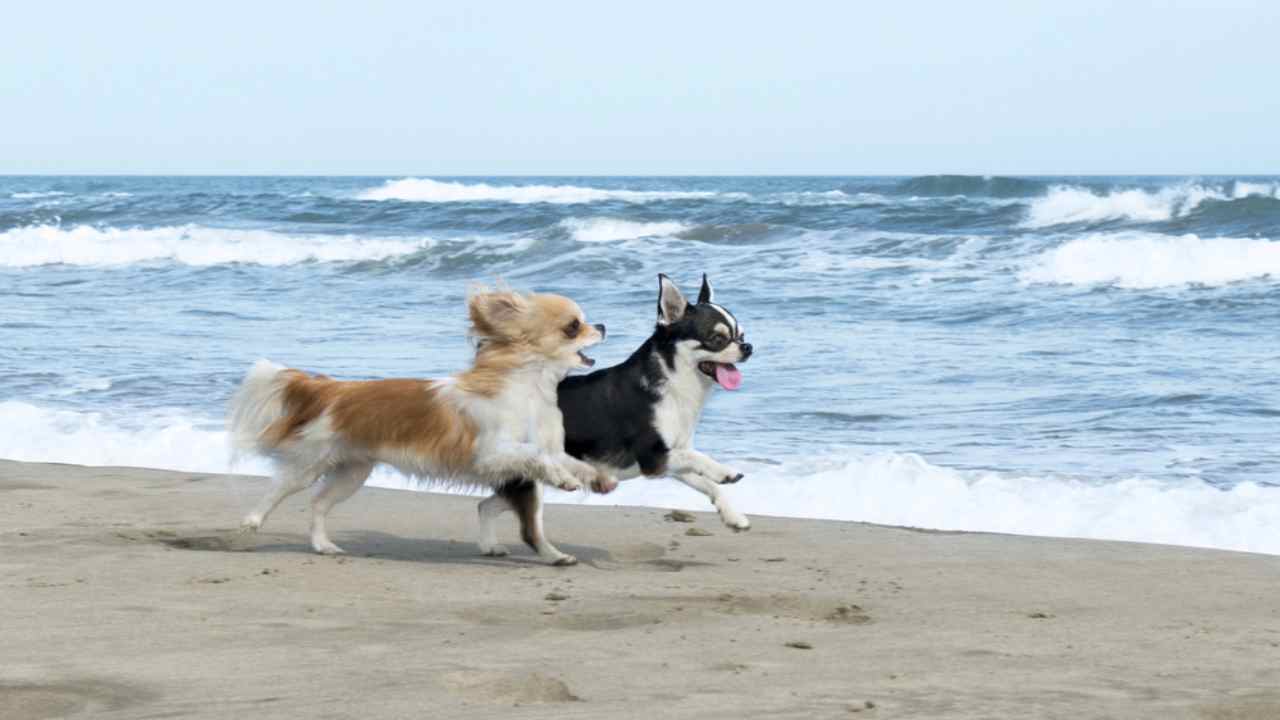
x,y
1070,356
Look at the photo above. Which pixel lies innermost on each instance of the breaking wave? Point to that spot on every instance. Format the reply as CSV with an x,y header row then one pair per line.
x,y
37,195
889,488
426,190
436,191
188,245
1066,204
604,229
1148,260
904,489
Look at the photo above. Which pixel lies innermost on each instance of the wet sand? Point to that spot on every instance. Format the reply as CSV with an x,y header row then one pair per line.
x,y
127,593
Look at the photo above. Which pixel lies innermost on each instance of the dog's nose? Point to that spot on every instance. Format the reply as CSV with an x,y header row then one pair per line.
x,y
600,329
746,350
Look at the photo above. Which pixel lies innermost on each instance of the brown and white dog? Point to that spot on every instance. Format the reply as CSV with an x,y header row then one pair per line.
x,y
496,420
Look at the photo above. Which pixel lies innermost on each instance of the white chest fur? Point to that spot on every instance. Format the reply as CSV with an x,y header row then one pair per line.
x,y
525,412
680,406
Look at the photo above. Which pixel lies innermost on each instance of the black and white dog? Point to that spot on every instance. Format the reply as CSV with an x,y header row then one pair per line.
x,y
638,417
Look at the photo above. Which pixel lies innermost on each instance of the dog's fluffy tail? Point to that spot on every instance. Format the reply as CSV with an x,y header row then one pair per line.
x,y
256,406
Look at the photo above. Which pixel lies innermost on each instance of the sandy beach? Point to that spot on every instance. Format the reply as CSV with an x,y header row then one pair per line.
x,y
127,594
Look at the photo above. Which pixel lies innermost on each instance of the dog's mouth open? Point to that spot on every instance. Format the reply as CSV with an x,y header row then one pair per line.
x,y
586,361
727,374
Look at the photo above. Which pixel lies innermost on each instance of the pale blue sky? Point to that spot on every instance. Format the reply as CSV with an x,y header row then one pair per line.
x,y
640,88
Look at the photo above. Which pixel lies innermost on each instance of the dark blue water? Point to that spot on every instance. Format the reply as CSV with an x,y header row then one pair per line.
x,y
1084,356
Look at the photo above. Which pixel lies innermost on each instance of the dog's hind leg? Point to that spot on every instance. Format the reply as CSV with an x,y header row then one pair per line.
x,y
490,509
526,499
734,519
339,484
288,480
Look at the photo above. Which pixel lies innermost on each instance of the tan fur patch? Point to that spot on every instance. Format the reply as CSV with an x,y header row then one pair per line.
x,y
305,398
514,329
408,416
493,365
549,325
506,317
498,315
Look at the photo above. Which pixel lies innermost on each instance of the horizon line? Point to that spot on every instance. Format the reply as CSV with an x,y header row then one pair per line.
x,y
629,175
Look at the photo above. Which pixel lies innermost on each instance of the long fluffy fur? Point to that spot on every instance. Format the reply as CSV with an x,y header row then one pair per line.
x,y
496,419
256,405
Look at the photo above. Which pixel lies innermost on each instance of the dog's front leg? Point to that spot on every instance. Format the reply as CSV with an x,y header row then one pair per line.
x,y
528,461
706,476
595,477
690,460
586,473
734,519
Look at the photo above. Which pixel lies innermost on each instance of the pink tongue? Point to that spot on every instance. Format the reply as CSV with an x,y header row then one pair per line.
x,y
730,378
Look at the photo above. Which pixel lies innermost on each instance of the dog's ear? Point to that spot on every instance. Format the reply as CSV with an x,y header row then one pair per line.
x,y
706,294
671,304
496,314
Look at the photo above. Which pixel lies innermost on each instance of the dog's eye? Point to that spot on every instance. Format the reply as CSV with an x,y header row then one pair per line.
x,y
571,330
718,340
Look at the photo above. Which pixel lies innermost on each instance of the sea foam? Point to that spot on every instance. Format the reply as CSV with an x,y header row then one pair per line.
x,y
605,229
189,245
1066,204
892,488
904,489
37,195
436,191
440,191
1244,189
1148,260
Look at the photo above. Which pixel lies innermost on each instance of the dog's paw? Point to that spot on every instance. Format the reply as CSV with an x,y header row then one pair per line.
x,y
565,561
495,551
562,479
736,522
731,477
326,547
250,524
604,483
585,474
